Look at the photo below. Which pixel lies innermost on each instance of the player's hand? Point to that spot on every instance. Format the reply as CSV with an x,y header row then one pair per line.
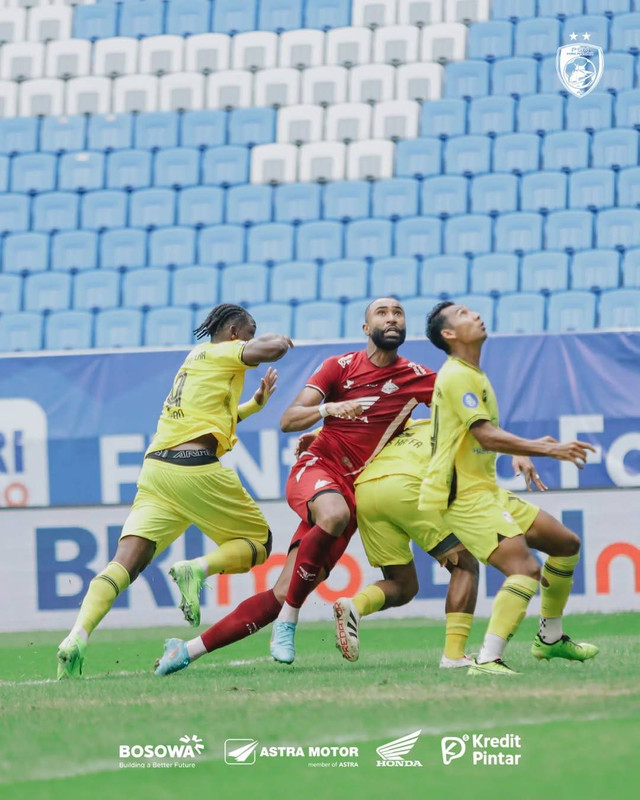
x,y
346,409
575,451
523,465
304,443
267,386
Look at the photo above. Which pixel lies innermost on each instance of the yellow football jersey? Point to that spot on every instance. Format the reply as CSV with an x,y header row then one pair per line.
x,y
204,397
462,395
407,453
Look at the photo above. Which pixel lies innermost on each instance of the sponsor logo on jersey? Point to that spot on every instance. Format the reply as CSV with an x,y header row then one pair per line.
x,y
389,387
348,384
469,400
417,368
345,360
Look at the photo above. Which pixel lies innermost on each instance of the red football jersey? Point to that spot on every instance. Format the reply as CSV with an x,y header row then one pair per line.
x,y
389,395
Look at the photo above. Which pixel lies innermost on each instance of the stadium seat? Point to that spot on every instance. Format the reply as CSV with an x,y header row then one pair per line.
x,y
156,130
395,45
443,118
420,82
95,21
324,86
47,291
444,275
40,97
21,61
33,172
102,210
135,93
10,293
418,158
571,311
273,242
319,241
467,79
513,9
492,115
518,233
145,288
90,95
620,309
346,200
229,89
234,16
540,113
615,148
322,161
520,313
468,235
479,303
592,189
444,196
373,13
326,14
494,274
20,331
123,247
244,283
172,247
515,77
207,53
221,244
395,198
354,318
631,268
629,187
624,32
396,276
628,109
8,98
467,155
273,318
14,213
368,238
96,289
443,42
566,151
371,159
152,208
277,87
81,172
418,236
251,126
395,120
181,91
201,205
118,327
569,231
115,57
168,327
543,191
593,114
176,167
544,272
129,169
595,270
203,128
25,252
160,55
225,166
273,163
318,320
62,134
348,122
494,194
561,9
188,17
4,173
618,74
18,135
139,18
49,22
516,152
110,131
248,205
296,202
537,37
195,287
294,281
74,250
420,12
618,228
344,279
463,11
54,211
490,40
301,49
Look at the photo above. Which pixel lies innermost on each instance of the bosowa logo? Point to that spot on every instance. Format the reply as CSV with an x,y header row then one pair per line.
x,y
189,747
393,753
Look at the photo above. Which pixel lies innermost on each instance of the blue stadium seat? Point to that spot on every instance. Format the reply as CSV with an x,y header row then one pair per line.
x,y
595,270
123,247
251,126
273,242
188,17
618,74
592,114
368,238
63,134
249,204
119,327
482,304
96,289
81,172
444,196
468,234
139,18
592,189
4,173
628,109
109,131
33,172
494,194
492,115
618,309
629,187
467,155
631,269
297,202
443,118
516,152
596,25
103,210
280,15
234,16
129,169
540,113
55,211
195,287
14,213
560,9
25,252
490,40
225,166
444,275
615,148
221,244
495,273
520,232
545,272
418,158
415,311
200,206
569,231
294,280
396,276
419,237
346,200
152,208
571,311
513,9
95,22
172,247
548,80
145,288
177,167
168,327
68,330
344,279
608,7
515,77
394,198
18,135
47,291
10,293
320,241
354,318
326,14
205,128
273,318
566,151
520,313
319,320
543,191
625,32
537,37
20,331
74,250
156,130
244,283
467,79
618,228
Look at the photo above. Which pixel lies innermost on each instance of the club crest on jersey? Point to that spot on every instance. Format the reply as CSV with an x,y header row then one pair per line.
x,y
348,384
389,387
469,400
345,360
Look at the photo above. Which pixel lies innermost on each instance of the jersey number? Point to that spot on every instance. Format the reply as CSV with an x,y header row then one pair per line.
x,y
174,400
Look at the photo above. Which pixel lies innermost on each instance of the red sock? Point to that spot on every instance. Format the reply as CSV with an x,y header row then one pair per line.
x,y
248,617
311,557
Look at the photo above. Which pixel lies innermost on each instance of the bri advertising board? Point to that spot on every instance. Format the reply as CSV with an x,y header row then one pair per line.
x,y
50,555
74,427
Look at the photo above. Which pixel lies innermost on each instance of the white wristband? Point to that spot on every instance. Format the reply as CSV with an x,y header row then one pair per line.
x,y
322,408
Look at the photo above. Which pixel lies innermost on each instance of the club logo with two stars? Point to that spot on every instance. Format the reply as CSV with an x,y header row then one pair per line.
x,y
580,65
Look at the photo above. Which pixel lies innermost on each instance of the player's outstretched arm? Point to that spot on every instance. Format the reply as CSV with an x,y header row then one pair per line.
x,y
265,348
307,409
268,385
500,441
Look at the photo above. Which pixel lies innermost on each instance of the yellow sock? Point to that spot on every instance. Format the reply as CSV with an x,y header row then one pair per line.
x,y
103,590
456,634
558,573
369,600
510,605
238,555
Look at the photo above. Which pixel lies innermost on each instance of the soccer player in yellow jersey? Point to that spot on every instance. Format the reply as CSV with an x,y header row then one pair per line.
x,y
182,481
460,491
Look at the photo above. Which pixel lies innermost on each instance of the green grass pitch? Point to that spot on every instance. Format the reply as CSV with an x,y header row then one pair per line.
x,y
578,722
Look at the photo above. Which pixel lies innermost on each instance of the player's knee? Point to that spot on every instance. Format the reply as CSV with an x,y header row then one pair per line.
x,y
468,563
408,591
333,521
531,569
572,545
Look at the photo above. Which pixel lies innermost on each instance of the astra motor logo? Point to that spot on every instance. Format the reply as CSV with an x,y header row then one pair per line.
x,y
245,752
240,751
580,65
485,751
393,753
188,747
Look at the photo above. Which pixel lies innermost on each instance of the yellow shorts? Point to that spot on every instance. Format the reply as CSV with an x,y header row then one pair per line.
x,y
481,518
388,520
173,496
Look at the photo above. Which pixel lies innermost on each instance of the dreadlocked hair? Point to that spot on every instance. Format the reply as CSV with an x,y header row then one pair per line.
x,y
219,317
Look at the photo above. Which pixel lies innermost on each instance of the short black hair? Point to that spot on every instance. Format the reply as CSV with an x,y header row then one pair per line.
x,y
220,316
435,324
